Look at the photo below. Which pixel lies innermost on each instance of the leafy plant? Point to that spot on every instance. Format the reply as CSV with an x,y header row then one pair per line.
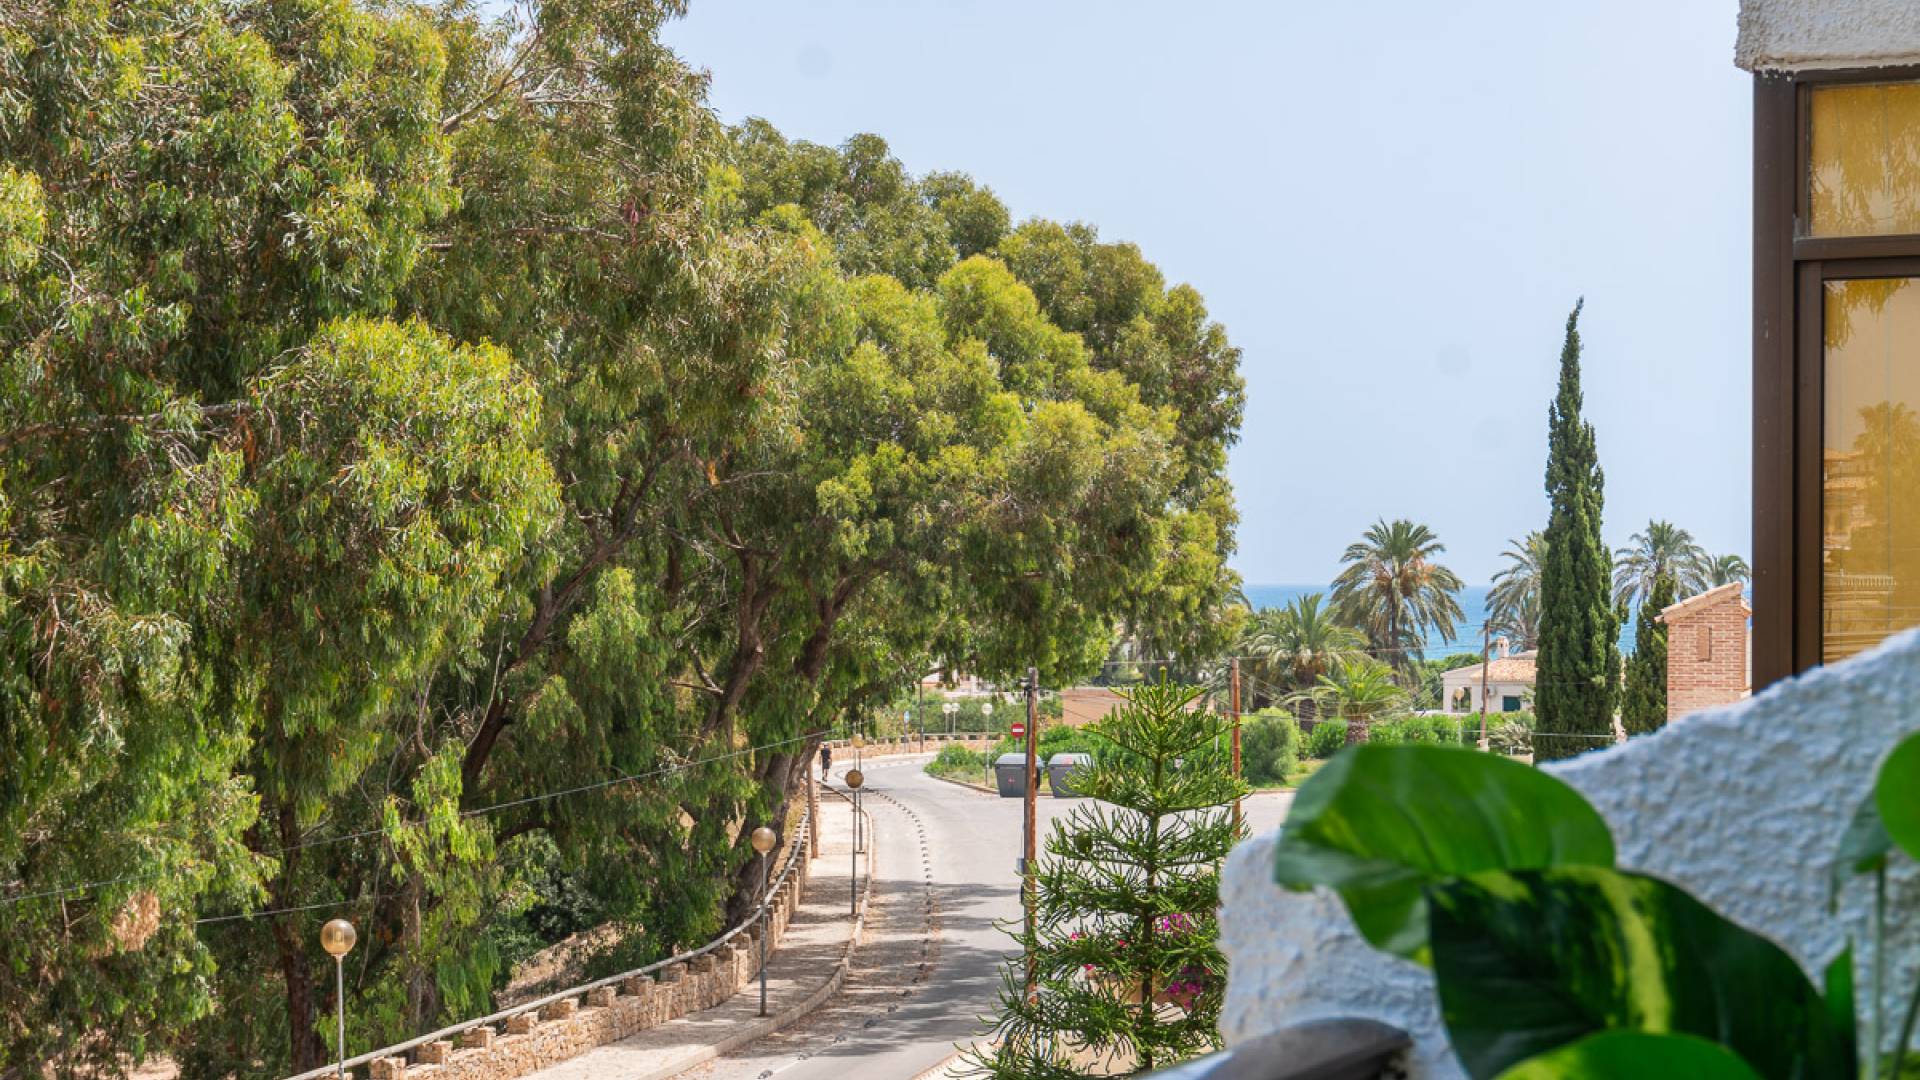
x,y
1549,962
1327,738
1366,825
1269,747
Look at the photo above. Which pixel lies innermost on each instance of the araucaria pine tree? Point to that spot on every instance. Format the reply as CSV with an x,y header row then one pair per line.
x,y
1126,973
1644,706
1578,672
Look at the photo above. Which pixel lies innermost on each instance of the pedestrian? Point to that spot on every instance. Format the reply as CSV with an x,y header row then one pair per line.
x,y
826,762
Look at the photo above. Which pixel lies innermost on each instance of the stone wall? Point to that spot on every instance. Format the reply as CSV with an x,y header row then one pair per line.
x,y
1708,659
1742,805
564,1029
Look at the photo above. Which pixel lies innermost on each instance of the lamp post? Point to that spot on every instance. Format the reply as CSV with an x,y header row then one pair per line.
x,y
337,937
854,779
949,708
763,843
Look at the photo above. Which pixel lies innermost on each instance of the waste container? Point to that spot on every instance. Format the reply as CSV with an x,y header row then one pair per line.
x,y
1058,766
1010,775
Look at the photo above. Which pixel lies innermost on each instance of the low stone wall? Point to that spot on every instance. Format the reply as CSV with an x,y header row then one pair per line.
x,y
570,1027
911,744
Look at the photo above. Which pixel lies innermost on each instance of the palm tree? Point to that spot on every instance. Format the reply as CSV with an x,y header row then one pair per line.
x,y
1293,646
1394,590
1513,604
1727,569
1664,548
1360,693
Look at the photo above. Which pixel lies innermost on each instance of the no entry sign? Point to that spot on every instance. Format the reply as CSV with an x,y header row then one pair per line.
x,y
1019,729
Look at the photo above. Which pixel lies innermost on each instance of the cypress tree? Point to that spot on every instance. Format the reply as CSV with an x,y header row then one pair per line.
x,y
1578,672
1644,706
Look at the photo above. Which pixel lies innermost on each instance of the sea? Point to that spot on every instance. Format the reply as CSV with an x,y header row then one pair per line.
x,y
1473,604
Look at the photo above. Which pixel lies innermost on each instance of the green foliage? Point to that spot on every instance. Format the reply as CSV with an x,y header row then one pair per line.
x,y
1513,604
1529,960
1432,728
410,413
959,762
1643,705
1364,826
1292,647
1361,693
1127,972
1328,737
1395,590
1269,747
1568,966
1610,1055
1578,669
1662,550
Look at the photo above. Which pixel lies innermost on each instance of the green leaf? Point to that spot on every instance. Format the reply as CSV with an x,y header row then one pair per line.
x,y
1863,847
1379,823
1634,1055
1534,960
1896,792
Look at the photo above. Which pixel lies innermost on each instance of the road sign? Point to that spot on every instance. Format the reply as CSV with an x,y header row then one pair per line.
x,y
1019,729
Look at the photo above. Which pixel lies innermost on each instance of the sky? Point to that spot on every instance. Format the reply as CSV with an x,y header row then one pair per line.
x,y
1390,206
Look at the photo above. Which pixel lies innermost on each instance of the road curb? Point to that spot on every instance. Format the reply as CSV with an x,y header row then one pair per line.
x,y
977,789
761,1028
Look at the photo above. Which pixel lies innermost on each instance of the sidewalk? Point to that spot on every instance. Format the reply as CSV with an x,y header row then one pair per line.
x,y
804,971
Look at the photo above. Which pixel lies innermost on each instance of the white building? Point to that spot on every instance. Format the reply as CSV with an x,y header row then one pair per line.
x,y
1508,681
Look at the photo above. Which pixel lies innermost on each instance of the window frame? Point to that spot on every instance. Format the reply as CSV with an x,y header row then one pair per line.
x,y
1790,272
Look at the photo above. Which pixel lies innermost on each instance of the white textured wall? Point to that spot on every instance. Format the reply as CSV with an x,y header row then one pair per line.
x,y
1741,805
1793,35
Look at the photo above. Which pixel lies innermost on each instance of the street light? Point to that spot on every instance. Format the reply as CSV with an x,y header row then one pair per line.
x,y
763,839
950,708
854,779
337,937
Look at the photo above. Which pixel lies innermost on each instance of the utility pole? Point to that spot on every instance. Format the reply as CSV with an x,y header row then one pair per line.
x,y
1486,652
1233,705
1028,883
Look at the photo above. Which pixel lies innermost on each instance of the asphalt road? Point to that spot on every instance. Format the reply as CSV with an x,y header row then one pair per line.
x,y
931,968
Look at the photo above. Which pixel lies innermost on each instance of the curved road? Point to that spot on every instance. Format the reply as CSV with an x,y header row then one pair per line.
x,y
930,967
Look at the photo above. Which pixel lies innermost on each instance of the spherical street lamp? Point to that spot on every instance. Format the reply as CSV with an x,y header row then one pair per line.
x,y
763,840
337,938
854,779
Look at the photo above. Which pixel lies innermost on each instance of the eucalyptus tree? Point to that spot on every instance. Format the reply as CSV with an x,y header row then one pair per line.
x,y
446,433
1661,549
1394,588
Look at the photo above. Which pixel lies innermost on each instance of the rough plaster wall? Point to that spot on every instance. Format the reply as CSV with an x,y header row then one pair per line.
x,y
1742,805
1793,35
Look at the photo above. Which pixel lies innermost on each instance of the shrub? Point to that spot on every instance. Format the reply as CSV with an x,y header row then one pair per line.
x,y
1269,747
1510,733
1327,738
957,761
1423,728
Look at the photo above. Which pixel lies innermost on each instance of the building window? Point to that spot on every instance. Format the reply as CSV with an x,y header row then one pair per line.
x,y
1510,703
1863,169
1871,564
1836,373
1703,644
